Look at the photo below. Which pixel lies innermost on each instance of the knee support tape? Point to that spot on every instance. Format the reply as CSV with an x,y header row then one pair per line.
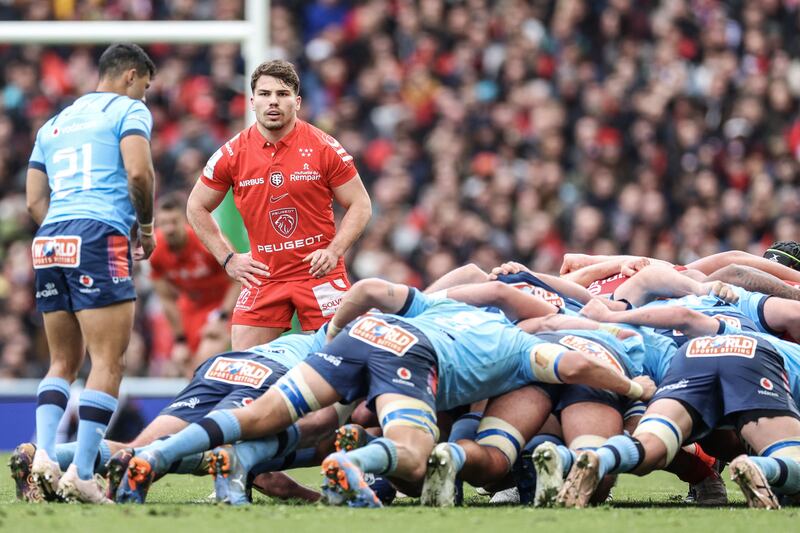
x,y
665,430
410,413
788,448
296,394
498,433
587,442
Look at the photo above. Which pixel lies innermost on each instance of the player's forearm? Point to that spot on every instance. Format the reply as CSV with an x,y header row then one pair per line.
x,y
141,190
578,368
352,226
38,209
567,287
515,303
208,231
691,323
588,274
556,323
657,281
368,294
755,280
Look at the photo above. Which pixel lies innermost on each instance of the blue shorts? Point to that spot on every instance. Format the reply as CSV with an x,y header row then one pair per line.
x,y
571,394
226,381
357,369
722,378
81,264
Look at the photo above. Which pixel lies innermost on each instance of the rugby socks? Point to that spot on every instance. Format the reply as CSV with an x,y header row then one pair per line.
x,y
458,454
524,472
253,452
466,427
299,459
95,409
65,453
783,474
567,458
53,396
619,454
378,457
189,464
216,429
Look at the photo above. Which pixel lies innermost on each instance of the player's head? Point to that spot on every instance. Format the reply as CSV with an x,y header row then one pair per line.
x,y
276,98
171,218
128,67
786,253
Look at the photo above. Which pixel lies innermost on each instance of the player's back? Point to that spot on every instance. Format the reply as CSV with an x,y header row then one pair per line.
x,y
79,150
291,349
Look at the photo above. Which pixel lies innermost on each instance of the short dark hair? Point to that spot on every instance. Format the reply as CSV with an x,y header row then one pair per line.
x,y
120,57
172,201
277,68
786,253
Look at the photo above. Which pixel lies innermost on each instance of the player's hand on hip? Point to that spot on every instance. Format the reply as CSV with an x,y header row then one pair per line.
x,y
321,262
244,269
145,244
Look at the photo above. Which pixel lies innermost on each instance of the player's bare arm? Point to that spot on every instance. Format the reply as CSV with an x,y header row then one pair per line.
x,y
37,194
691,323
365,295
709,264
755,280
659,281
240,267
138,162
516,304
355,199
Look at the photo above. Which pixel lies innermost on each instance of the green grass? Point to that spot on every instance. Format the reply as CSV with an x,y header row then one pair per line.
x,y
640,505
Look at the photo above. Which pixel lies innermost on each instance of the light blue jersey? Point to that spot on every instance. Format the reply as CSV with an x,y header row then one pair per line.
x,y
480,354
751,304
289,350
79,150
659,351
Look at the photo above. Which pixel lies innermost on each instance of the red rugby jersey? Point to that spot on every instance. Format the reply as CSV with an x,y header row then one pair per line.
x,y
198,277
283,192
607,286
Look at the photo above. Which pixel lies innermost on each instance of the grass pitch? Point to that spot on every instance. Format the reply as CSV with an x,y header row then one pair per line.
x,y
640,505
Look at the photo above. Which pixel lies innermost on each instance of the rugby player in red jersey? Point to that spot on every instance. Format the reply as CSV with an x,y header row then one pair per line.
x,y
195,292
285,174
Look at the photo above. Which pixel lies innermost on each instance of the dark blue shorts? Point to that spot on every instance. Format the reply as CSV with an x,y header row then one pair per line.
x,y
377,355
81,264
226,381
722,378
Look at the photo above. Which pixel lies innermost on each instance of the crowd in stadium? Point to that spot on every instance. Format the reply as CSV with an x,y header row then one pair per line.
x,y
484,131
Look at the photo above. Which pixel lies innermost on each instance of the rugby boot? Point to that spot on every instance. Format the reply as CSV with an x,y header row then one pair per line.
x,y
73,489
136,481
438,489
711,491
115,471
754,485
350,437
230,477
581,482
20,465
46,473
344,483
549,474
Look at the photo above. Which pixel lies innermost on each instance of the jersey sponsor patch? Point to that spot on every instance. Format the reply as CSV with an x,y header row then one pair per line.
x,y
381,334
595,349
329,296
59,251
247,298
547,296
722,346
238,372
284,220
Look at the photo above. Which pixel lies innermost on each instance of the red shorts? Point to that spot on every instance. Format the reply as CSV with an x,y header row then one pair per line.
x,y
193,322
272,304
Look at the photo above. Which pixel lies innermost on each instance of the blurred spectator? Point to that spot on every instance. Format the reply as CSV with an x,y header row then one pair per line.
x,y
484,130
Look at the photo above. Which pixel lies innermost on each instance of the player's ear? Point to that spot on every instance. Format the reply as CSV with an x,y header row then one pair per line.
x,y
130,76
298,101
252,104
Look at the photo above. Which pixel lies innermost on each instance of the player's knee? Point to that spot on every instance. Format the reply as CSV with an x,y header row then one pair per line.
x,y
296,394
409,413
587,442
499,434
661,429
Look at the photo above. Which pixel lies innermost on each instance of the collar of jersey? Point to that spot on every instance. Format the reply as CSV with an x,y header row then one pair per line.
x,y
285,141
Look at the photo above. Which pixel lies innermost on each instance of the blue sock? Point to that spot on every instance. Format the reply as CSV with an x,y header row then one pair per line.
x,y
618,454
466,427
377,457
567,458
215,429
782,473
458,454
298,459
53,396
95,409
64,454
187,464
253,452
